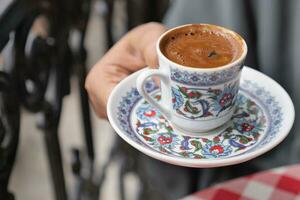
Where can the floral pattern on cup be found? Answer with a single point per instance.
(266, 116)
(204, 79)
(245, 129)
(195, 103)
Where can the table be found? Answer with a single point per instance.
(279, 183)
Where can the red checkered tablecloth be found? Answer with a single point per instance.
(277, 184)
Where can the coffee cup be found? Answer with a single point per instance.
(199, 69)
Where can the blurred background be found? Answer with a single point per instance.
(46, 48)
(51, 144)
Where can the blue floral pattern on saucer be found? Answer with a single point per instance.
(257, 119)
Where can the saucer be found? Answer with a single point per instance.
(263, 117)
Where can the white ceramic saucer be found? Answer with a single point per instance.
(263, 118)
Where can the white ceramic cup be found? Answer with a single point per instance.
(195, 99)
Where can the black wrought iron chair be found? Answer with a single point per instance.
(36, 75)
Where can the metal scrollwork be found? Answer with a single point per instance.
(38, 62)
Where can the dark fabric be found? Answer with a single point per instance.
(271, 29)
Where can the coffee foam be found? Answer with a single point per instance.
(202, 46)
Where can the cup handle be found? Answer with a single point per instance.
(140, 83)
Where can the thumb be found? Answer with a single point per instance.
(148, 35)
(151, 59)
(150, 55)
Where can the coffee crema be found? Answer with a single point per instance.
(201, 46)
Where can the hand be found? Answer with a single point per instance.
(133, 52)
